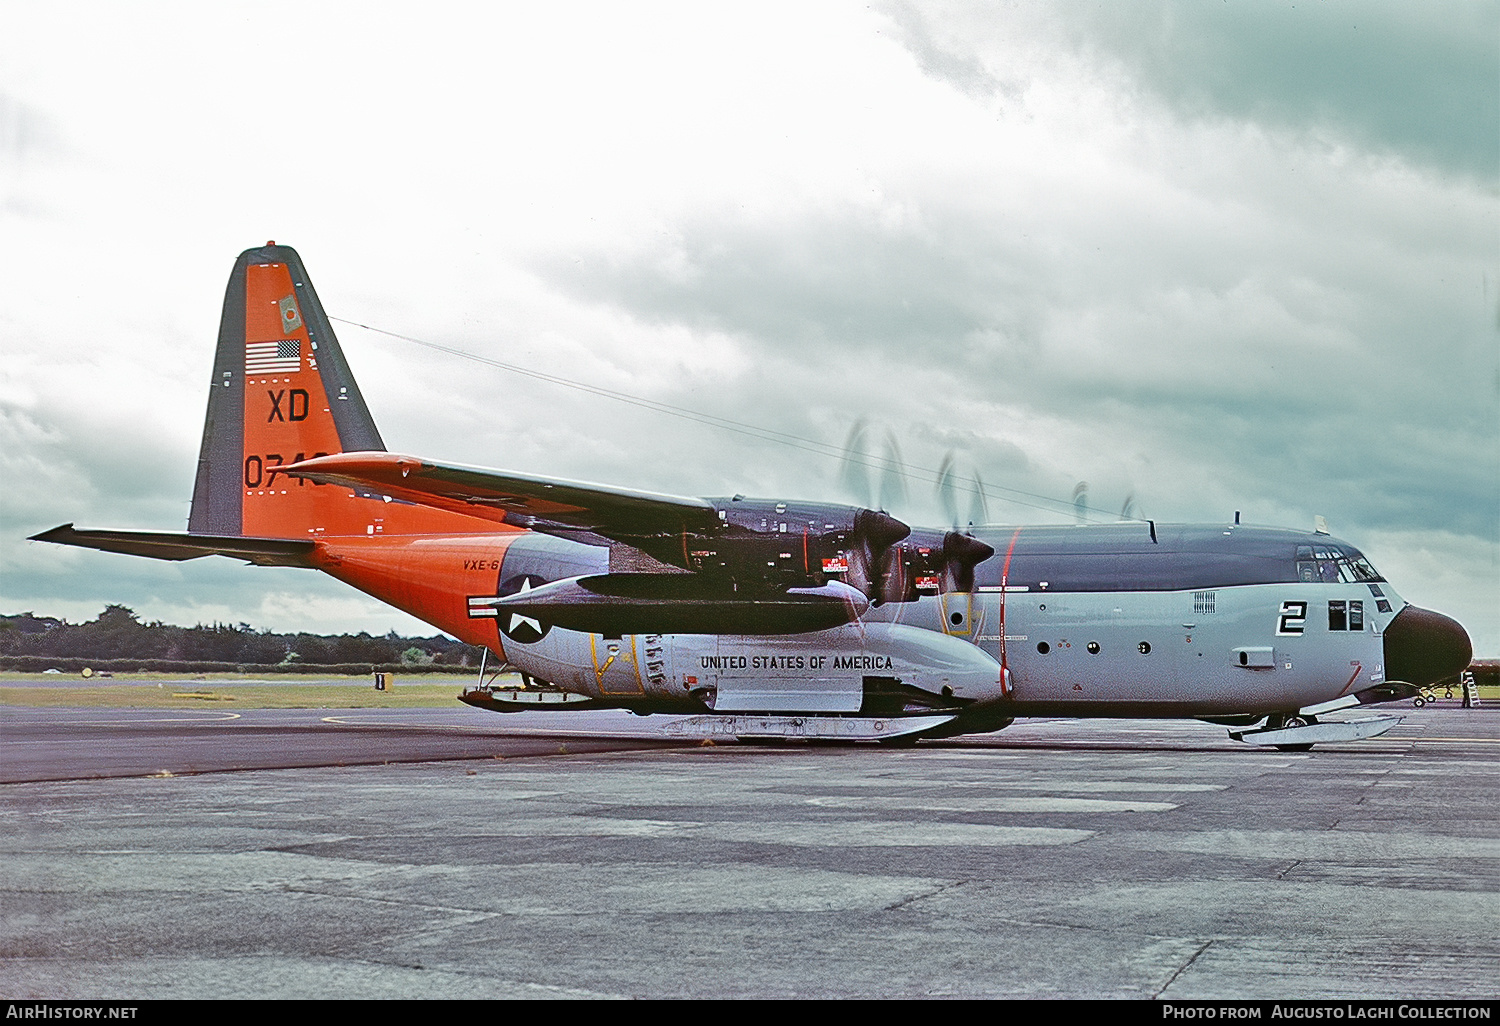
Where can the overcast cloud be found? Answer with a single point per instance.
(1206, 256)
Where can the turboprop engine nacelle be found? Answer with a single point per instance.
(768, 544)
(871, 668)
(782, 544)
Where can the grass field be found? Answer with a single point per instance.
(228, 691)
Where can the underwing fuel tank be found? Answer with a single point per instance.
(615, 605)
(871, 668)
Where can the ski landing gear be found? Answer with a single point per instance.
(1298, 732)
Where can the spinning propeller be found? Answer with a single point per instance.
(871, 480)
(880, 565)
(947, 491)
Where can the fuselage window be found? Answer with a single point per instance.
(1346, 616)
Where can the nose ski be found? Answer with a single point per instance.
(1300, 733)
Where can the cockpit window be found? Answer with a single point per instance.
(1330, 564)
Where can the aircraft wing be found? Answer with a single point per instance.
(160, 545)
(543, 504)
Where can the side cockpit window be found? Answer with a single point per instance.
(1346, 616)
(1329, 564)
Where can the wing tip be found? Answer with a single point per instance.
(54, 534)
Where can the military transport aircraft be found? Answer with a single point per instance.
(771, 618)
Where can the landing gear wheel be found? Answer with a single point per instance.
(1296, 721)
(1418, 702)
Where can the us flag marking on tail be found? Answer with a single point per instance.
(281, 357)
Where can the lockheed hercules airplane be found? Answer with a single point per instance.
(769, 618)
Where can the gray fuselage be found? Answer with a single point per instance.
(1119, 620)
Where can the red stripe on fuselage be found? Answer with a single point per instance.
(1005, 577)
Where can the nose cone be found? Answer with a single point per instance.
(1423, 647)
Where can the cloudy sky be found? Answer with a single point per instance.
(1206, 257)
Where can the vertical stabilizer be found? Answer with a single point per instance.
(282, 392)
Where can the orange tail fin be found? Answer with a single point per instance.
(282, 392)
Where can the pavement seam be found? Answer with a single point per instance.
(1185, 967)
(930, 894)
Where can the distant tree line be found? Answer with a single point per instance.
(119, 635)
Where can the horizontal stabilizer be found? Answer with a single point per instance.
(160, 545)
(519, 500)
